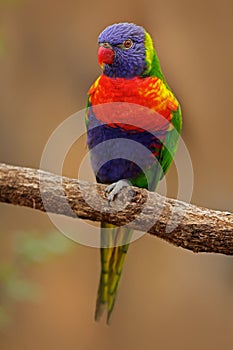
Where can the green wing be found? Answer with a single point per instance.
(155, 173)
(169, 148)
(171, 142)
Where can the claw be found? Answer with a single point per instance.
(109, 188)
(114, 189)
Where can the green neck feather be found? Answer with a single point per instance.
(152, 61)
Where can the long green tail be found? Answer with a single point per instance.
(112, 261)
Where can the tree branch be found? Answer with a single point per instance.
(186, 225)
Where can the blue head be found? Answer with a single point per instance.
(122, 51)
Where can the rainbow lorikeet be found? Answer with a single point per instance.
(131, 76)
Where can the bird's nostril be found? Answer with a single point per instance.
(106, 45)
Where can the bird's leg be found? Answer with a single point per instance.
(112, 190)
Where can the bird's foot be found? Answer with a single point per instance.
(113, 190)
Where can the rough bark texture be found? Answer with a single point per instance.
(185, 225)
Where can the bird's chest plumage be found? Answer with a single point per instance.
(149, 93)
(127, 123)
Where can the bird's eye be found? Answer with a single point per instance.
(127, 44)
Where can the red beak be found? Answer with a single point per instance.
(105, 55)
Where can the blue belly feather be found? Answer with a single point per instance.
(117, 153)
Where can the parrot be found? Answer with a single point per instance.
(131, 78)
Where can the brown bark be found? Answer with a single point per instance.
(198, 229)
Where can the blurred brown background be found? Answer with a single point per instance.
(169, 298)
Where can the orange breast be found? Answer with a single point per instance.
(144, 103)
